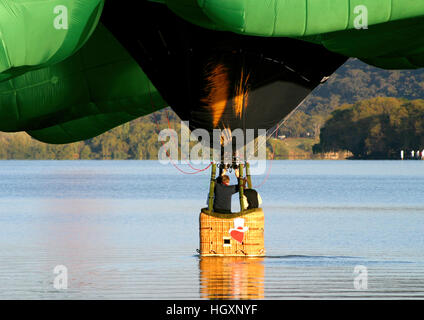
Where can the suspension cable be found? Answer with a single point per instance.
(163, 144)
(279, 125)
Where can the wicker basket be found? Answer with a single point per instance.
(231, 278)
(236, 234)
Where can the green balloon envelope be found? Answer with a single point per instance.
(73, 69)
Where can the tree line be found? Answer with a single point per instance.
(136, 140)
(376, 128)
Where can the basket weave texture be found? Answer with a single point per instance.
(219, 235)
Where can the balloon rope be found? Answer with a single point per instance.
(269, 168)
(282, 122)
(163, 144)
(182, 154)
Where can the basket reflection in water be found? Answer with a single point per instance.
(231, 278)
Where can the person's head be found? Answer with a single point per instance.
(225, 180)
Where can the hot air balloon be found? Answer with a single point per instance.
(73, 69)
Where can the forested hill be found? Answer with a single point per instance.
(376, 128)
(356, 81)
(352, 83)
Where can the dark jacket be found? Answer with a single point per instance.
(223, 194)
(252, 198)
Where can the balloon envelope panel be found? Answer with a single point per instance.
(392, 39)
(30, 38)
(98, 88)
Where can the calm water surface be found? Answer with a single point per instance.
(129, 230)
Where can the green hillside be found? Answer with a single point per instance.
(375, 129)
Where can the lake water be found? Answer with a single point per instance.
(129, 230)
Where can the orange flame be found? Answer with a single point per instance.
(242, 94)
(226, 135)
(218, 85)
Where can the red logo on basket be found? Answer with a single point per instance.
(239, 229)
